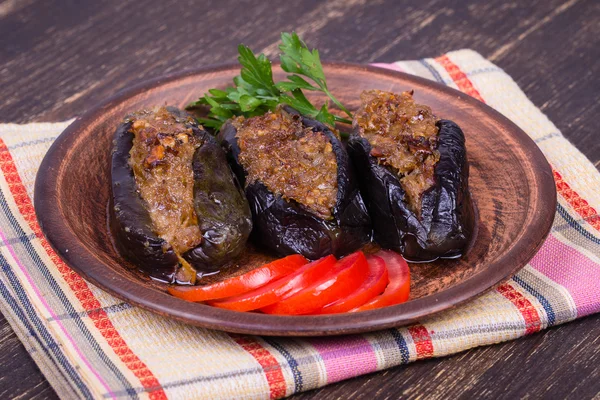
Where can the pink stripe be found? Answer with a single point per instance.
(345, 357)
(54, 317)
(393, 66)
(573, 270)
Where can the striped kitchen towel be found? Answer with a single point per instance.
(92, 345)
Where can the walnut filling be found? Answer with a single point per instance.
(161, 159)
(402, 135)
(290, 160)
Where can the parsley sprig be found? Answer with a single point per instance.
(254, 91)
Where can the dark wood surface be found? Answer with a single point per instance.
(57, 58)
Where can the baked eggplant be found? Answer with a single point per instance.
(413, 172)
(177, 209)
(300, 184)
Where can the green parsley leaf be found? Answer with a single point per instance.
(300, 103)
(297, 58)
(218, 94)
(325, 116)
(249, 103)
(255, 93)
(256, 71)
(295, 82)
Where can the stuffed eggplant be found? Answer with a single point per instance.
(413, 173)
(299, 182)
(177, 209)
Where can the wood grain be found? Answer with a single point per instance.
(59, 57)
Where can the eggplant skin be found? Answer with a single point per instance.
(285, 227)
(447, 215)
(223, 212)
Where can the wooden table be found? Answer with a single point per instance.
(58, 58)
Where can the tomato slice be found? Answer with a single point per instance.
(399, 287)
(276, 290)
(242, 283)
(345, 277)
(374, 285)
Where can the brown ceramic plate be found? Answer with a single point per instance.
(511, 184)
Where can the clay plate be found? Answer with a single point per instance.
(511, 183)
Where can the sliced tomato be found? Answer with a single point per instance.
(374, 285)
(242, 283)
(276, 290)
(398, 289)
(345, 277)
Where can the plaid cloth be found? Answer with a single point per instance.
(92, 345)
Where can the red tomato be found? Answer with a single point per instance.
(374, 285)
(242, 283)
(344, 278)
(399, 287)
(276, 290)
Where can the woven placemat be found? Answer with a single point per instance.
(90, 344)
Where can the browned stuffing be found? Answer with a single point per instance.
(290, 160)
(403, 135)
(161, 159)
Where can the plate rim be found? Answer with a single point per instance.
(57, 232)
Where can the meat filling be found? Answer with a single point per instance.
(290, 160)
(161, 159)
(403, 135)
